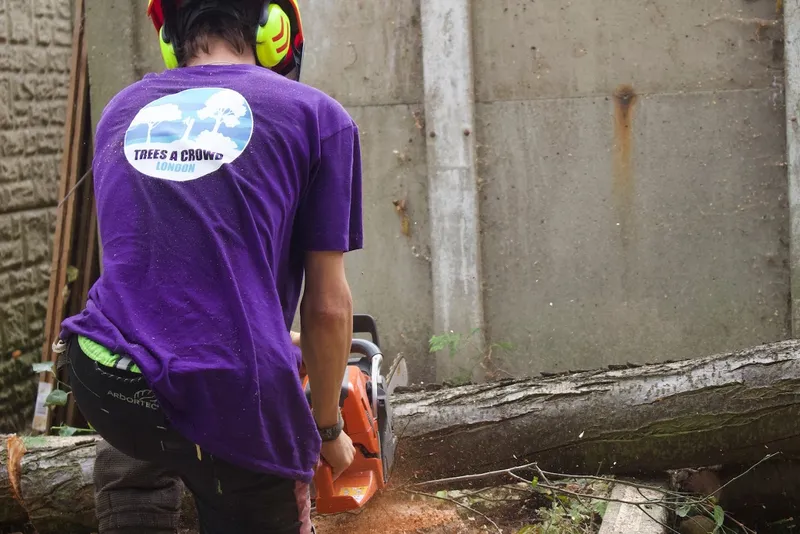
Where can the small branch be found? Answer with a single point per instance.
(740, 475)
(448, 499)
(620, 481)
(479, 476)
(556, 489)
(663, 502)
(645, 512)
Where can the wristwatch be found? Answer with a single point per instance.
(331, 433)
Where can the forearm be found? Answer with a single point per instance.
(327, 326)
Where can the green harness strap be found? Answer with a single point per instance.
(103, 356)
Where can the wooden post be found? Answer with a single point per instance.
(71, 165)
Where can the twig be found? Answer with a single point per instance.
(486, 517)
(74, 187)
(664, 503)
(620, 481)
(645, 512)
(479, 476)
(740, 475)
(577, 495)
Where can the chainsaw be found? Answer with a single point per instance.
(366, 410)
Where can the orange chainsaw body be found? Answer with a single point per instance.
(365, 475)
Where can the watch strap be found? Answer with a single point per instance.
(331, 433)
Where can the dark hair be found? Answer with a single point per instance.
(234, 24)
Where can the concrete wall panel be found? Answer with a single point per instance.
(633, 229)
(120, 53)
(391, 277)
(364, 52)
(553, 48)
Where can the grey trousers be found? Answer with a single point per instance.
(135, 497)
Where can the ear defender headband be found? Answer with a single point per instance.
(279, 34)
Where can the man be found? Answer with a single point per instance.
(222, 184)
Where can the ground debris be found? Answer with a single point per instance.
(509, 509)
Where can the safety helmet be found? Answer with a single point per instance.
(279, 31)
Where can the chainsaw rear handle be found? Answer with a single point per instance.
(366, 324)
(323, 478)
(375, 357)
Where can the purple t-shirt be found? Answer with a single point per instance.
(211, 182)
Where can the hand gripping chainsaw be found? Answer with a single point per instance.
(367, 413)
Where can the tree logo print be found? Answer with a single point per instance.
(190, 134)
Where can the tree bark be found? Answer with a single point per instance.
(724, 409)
(730, 409)
(53, 478)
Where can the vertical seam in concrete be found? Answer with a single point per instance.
(136, 46)
(452, 184)
(791, 17)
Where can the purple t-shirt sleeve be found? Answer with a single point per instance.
(330, 214)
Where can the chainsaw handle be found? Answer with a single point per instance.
(366, 324)
(323, 478)
(375, 358)
(364, 348)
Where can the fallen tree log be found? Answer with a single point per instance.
(47, 481)
(725, 409)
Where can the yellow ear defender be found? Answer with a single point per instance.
(167, 49)
(273, 38)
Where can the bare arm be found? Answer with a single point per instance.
(326, 316)
(329, 224)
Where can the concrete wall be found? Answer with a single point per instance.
(367, 55)
(633, 198)
(634, 194)
(631, 172)
(35, 50)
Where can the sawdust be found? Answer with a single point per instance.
(394, 512)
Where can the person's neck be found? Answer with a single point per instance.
(220, 53)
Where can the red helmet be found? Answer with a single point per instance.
(159, 10)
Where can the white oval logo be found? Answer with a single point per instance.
(190, 134)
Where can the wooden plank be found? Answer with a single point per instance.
(71, 205)
(64, 185)
(83, 259)
(76, 164)
(70, 167)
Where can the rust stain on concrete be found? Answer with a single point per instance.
(624, 185)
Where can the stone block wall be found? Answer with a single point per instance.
(35, 51)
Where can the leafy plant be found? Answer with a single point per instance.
(455, 342)
(450, 341)
(59, 397)
(67, 431)
(566, 516)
